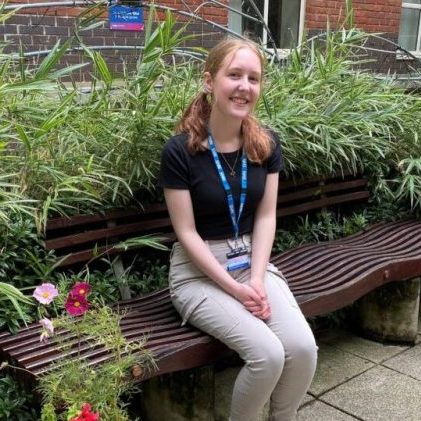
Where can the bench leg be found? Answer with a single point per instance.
(182, 396)
(391, 312)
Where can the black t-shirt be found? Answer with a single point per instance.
(197, 173)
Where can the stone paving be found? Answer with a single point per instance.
(358, 379)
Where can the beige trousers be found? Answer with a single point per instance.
(280, 353)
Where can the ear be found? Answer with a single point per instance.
(207, 82)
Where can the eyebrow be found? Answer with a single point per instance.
(231, 69)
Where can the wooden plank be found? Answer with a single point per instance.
(106, 233)
(321, 203)
(85, 256)
(80, 220)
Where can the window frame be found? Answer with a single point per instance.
(282, 52)
(417, 51)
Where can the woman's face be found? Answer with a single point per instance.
(236, 86)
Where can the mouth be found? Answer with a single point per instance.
(240, 101)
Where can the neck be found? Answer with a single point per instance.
(226, 134)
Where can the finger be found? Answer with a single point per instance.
(267, 314)
(253, 307)
(253, 294)
(263, 315)
(251, 303)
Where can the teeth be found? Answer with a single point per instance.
(239, 100)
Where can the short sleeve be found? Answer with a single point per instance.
(275, 162)
(174, 171)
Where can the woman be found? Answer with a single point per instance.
(220, 180)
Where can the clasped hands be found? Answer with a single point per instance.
(254, 299)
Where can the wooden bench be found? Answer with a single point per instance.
(323, 277)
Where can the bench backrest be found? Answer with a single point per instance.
(80, 239)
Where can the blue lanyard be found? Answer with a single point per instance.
(234, 219)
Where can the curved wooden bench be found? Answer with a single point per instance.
(323, 277)
(328, 276)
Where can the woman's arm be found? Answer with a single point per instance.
(180, 209)
(263, 236)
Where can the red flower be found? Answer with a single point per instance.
(80, 289)
(76, 305)
(86, 414)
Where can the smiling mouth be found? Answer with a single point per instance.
(241, 101)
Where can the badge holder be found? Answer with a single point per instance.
(238, 258)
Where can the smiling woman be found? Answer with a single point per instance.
(235, 88)
(220, 180)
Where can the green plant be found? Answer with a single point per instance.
(151, 274)
(15, 403)
(72, 382)
(328, 225)
(9, 292)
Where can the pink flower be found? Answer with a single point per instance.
(80, 289)
(45, 293)
(76, 305)
(48, 329)
(47, 324)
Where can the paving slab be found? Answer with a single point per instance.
(409, 362)
(373, 351)
(334, 367)
(319, 411)
(378, 394)
(307, 398)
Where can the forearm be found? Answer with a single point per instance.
(262, 241)
(203, 258)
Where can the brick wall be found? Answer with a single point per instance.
(370, 15)
(39, 29)
(373, 16)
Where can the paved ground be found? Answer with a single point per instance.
(357, 379)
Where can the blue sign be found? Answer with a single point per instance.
(126, 18)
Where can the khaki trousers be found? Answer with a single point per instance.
(280, 353)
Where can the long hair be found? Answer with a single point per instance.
(257, 141)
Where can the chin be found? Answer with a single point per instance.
(242, 113)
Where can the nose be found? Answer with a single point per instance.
(244, 84)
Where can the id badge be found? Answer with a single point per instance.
(238, 258)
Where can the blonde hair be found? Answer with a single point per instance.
(257, 141)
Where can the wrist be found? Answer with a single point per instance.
(233, 288)
(256, 280)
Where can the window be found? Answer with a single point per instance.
(284, 19)
(410, 27)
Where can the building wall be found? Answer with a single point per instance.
(373, 16)
(369, 15)
(40, 28)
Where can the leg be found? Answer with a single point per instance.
(223, 317)
(292, 329)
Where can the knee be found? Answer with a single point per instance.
(304, 351)
(271, 358)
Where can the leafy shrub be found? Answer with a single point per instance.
(24, 261)
(15, 403)
(329, 225)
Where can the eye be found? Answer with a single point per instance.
(234, 75)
